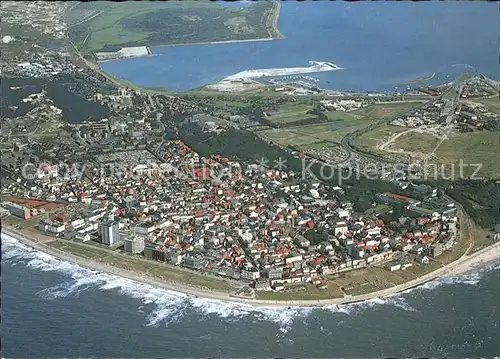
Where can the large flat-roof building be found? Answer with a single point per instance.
(17, 210)
(26, 208)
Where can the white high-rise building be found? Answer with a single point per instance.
(109, 232)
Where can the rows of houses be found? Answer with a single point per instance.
(216, 215)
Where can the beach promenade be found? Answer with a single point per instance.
(464, 264)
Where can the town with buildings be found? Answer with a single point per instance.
(118, 183)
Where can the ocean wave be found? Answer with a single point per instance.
(167, 307)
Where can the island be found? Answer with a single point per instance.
(279, 193)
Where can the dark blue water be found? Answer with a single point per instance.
(54, 309)
(379, 44)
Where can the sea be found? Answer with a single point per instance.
(54, 309)
(380, 45)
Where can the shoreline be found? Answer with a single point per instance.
(460, 266)
(272, 21)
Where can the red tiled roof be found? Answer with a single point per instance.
(33, 202)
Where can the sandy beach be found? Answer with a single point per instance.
(462, 265)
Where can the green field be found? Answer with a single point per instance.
(308, 135)
(480, 147)
(367, 280)
(416, 143)
(369, 140)
(315, 135)
(288, 137)
(329, 131)
(308, 292)
(343, 116)
(473, 148)
(492, 103)
(108, 26)
(291, 112)
(381, 111)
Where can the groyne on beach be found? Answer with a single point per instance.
(462, 265)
